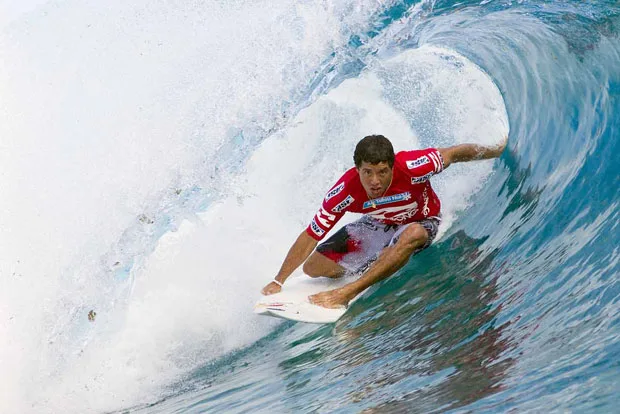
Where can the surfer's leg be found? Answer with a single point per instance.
(331, 258)
(425, 230)
(406, 242)
(319, 265)
(410, 240)
(324, 261)
(347, 250)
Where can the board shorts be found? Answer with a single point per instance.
(358, 244)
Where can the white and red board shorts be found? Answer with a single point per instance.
(358, 244)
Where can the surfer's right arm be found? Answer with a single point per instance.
(298, 253)
(332, 209)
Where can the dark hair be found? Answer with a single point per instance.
(374, 149)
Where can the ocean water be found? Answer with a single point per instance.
(157, 160)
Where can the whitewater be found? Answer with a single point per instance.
(157, 160)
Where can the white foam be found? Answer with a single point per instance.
(11, 11)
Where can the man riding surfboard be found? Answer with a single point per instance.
(401, 216)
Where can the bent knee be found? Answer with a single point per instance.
(319, 265)
(309, 270)
(414, 236)
(310, 267)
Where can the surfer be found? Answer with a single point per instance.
(401, 215)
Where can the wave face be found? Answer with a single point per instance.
(158, 159)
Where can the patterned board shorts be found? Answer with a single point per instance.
(357, 245)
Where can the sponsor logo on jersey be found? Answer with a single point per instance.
(387, 200)
(425, 209)
(316, 229)
(334, 191)
(418, 162)
(418, 180)
(344, 204)
(325, 218)
(398, 214)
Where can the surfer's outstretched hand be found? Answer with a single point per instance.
(332, 299)
(271, 288)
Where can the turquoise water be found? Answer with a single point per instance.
(168, 154)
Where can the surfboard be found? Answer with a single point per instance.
(292, 302)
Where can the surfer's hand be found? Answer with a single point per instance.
(332, 299)
(271, 288)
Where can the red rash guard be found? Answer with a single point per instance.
(409, 197)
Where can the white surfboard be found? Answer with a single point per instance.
(293, 303)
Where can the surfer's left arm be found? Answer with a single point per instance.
(471, 152)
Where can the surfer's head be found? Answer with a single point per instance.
(374, 149)
(374, 159)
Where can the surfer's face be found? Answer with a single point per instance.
(376, 178)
